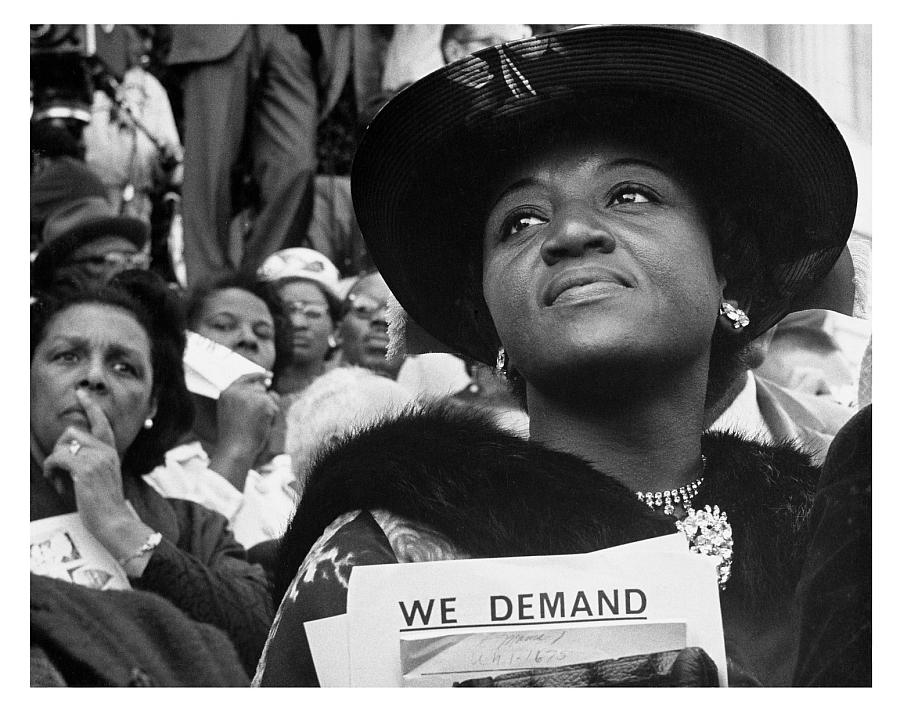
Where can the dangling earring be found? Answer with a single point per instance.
(739, 319)
(148, 423)
(332, 342)
(501, 361)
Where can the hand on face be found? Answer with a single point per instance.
(91, 459)
(246, 414)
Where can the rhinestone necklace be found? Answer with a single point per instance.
(706, 530)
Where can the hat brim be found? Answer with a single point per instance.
(58, 250)
(418, 178)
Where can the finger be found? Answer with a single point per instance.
(77, 434)
(59, 460)
(100, 427)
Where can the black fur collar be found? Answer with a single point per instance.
(493, 494)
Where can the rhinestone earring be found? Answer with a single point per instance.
(739, 319)
(501, 361)
(148, 423)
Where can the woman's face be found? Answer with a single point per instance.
(104, 349)
(363, 330)
(241, 321)
(311, 322)
(597, 258)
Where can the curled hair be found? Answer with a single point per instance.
(145, 297)
(266, 292)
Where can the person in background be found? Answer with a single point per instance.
(416, 50)
(60, 181)
(363, 328)
(306, 282)
(85, 242)
(249, 98)
(108, 399)
(231, 460)
(457, 41)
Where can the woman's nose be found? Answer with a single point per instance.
(573, 231)
(247, 338)
(379, 317)
(94, 377)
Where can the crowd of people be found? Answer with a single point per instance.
(578, 286)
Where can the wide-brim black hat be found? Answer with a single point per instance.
(420, 173)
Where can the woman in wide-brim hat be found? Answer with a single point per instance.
(609, 214)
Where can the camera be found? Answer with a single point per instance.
(62, 87)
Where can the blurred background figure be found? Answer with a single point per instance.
(231, 459)
(85, 243)
(363, 329)
(800, 380)
(416, 50)
(336, 404)
(306, 282)
(94, 100)
(59, 181)
(457, 41)
(250, 105)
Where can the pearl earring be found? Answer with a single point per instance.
(332, 342)
(148, 423)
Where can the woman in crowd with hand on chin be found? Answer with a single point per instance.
(609, 215)
(107, 400)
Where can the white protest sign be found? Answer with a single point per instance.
(390, 607)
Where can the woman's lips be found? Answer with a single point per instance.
(378, 341)
(579, 285)
(74, 415)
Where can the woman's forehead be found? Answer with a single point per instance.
(101, 324)
(238, 302)
(597, 149)
(302, 290)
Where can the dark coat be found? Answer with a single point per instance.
(491, 494)
(198, 566)
(131, 638)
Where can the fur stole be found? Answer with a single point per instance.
(494, 494)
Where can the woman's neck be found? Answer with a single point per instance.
(649, 441)
(294, 378)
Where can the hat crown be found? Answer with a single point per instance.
(301, 263)
(75, 214)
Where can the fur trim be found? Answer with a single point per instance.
(493, 494)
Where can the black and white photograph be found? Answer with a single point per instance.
(453, 355)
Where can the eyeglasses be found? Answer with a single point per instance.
(365, 308)
(115, 259)
(311, 311)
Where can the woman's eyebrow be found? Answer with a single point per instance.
(634, 161)
(517, 184)
(117, 350)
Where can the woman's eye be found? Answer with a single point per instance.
(66, 356)
(222, 325)
(264, 332)
(517, 223)
(125, 368)
(631, 195)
